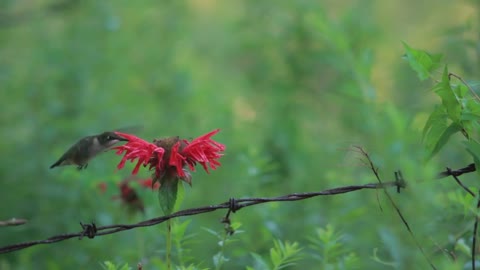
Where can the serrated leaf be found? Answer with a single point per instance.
(422, 62)
(167, 194)
(449, 99)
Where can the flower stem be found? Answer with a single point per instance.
(169, 244)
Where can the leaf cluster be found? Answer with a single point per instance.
(458, 112)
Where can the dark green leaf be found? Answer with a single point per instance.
(449, 99)
(461, 91)
(452, 129)
(167, 194)
(434, 127)
(471, 110)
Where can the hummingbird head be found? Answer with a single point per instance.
(109, 138)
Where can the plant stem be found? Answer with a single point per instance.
(222, 250)
(169, 243)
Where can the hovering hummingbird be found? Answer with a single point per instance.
(86, 148)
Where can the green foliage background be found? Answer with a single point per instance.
(291, 84)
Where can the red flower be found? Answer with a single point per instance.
(203, 150)
(137, 148)
(130, 197)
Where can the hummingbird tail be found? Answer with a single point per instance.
(55, 164)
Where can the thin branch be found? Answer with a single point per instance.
(470, 168)
(474, 242)
(465, 83)
(13, 222)
(399, 179)
(462, 185)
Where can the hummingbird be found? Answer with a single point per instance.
(86, 148)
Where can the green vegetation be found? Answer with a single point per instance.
(292, 85)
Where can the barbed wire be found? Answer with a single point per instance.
(233, 205)
(91, 230)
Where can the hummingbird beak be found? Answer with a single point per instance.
(117, 137)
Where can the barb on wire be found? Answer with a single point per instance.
(91, 230)
(398, 180)
(455, 174)
(449, 172)
(233, 205)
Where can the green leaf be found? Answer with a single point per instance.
(434, 131)
(449, 99)
(463, 247)
(422, 62)
(471, 110)
(443, 139)
(219, 259)
(259, 263)
(167, 194)
(111, 266)
(275, 255)
(125, 267)
(461, 91)
(180, 195)
(436, 121)
(473, 148)
(284, 255)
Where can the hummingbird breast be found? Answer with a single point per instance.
(86, 149)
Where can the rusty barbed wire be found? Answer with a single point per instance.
(92, 230)
(233, 205)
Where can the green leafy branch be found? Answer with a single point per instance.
(459, 111)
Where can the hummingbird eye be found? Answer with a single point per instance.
(109, 138)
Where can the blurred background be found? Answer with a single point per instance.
(291, 84)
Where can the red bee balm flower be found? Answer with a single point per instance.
(137, 148)
(170, 155)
